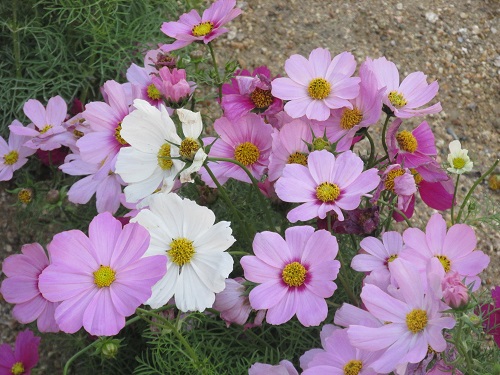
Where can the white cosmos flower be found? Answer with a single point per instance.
(197, 264)
(458, 158)
(146, 165)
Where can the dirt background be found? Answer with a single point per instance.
(454, 42)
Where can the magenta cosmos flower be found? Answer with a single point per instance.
(491, 315)
(295, 274)
(404, 99)
(100, 279)
(317, 85)
(193, 28)
(455, 249)
(13, 155)
(247, 140)
(414, 321)
(21, 288)
(411, 149)
(23, 358)
(327, 183)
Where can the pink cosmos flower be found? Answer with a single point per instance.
(13, 155)
(248, 140)
(455, 293)
(283, 368)
(23, 358)
(156, 59)
(455, 249)
(250, 92)
(173, 86)
(143, 79)
(191, 27)
(317, 84)
(404, 99)
(48, 123)
(328, 183)
(21, 287)
(295, 274)
(401, 182)
(102, 278)
(415, 320)
(349, 315)
(307, 357)
(411, 149)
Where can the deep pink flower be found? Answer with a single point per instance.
(21, 288)
(404, 99)
(491, 315)
(250, 92)
(328, 183)
(411, 149)
(283, 368)
(102, 278)
(23, 358)
(173, 86)
(13, 155)
(191, 27)
(248, 140)
(295, 274)
(455, 293)
(455, 249)
(317, 84)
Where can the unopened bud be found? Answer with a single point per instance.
(320, 144)
(110, 350)
(455, 293)
(52, 196)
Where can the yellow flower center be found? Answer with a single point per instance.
(350, 118)
(188, 148)
(261, 98)
(17, 368)
(458, 163)
(153, 92)
(104, 276)
(164, 158)
(11, 158)
(353, 367)
(25, 196)
(45, 129)
(320, 144)
(392, 258)
(494, 182)
(294, 274)
(407, 141)
(391, 176)
(416, 320)
(297, 158)
(445, 262)
(319, 88)
(416, 176)
(397, 99)
(327, 192)
(181, 251)
(118, 135)
(78, 134)
(202, 29)
(246, 153)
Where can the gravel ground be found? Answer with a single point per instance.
(454, 42)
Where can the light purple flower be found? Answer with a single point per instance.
(192, 28)
(23, 358)
(233, 305)
(317, 84)
(295, 274)
(13, 155)
(283, 368)
(102, 278)
(328, 183)
(21, 288)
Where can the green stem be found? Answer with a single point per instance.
(467, 197)
(453, 201)
(15, 41)
(384, 131)
(372, 149)
(78, 354)
(378, 161)
(214, 62)
(387, 223)
(398, 211)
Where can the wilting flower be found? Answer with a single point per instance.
(13, 155)
(21, 288)
(185, 235)
(295, 274)
(102, 278)
(23, 358)
(191, 27)
(317, 84)
(359, 221)
(233, 305)
(327, 183)
(458, 159)
(283, 368)
(455, 293)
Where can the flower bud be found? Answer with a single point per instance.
(455, 293)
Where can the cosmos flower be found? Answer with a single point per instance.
(13, 155)
(458, 159)
(318, 84)
(283, 368)
(23, 358)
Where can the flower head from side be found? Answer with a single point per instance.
(13, 154)
(295, 274)
(458, 159)
(23, 358)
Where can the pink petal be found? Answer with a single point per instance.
(258, 271)
(460, 241)
(317, 110)
(287, 89)
(56, 110)
(104, 231)
(471, 264)
(69, 314)
(284, 310)
(435, 232)
(298, 68)
(382, 305)
(267, 295)
(304, 212)
(272, 249)
(100, 317)
(35, 111)
(311, 309)
(320, 59)
(29, 311)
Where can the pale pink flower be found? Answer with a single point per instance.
(307, 357)
(295, 274)
(328, 183)
(23, 358)
(192, 28)
(21, 288)
(318, 84)
(143, 80)
(283, 368)
(13, 155)
(401, 182)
